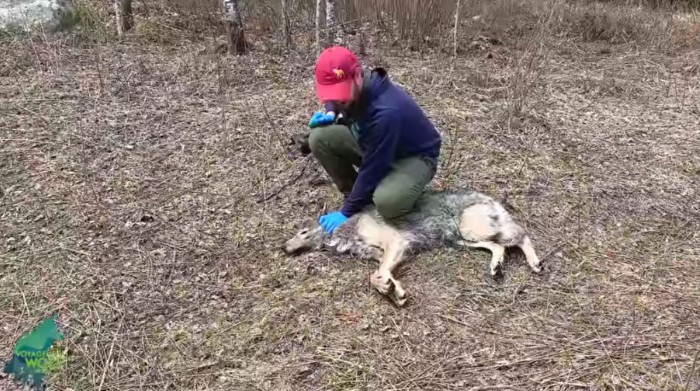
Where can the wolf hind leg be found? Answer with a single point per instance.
(383, 280)
(530, 255)
(484, 226)
(497, 254)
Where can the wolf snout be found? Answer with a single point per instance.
(290, 248)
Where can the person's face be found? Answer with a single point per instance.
(355, 93)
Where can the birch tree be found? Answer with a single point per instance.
(454, 43)
(234, 27)
(318, 25)
(334, 31)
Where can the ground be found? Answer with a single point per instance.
(145, 192)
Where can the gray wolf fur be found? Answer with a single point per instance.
(457, 218)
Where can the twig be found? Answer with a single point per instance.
(692, 371)
(222, 98)
(253, 139)
(451, 319)
(448, 164)
(599, 338)
(272, 125)
(24, 298)
(109, 356)
(496, 387)
(303, 169)
(401, 336)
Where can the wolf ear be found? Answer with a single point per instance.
(309, 224)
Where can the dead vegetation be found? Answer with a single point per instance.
(145, 189)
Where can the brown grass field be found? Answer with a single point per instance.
(146, 188)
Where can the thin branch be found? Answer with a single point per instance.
(296, 178)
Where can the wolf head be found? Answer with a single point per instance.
(309, 237)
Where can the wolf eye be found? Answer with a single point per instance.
(304, 231)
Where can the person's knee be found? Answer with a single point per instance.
(390, 204)
(323, 137)
(316, 139)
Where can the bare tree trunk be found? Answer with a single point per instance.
(334, 32)
(455, 32)
(234, 27)
(361, 50)
(119, 18)
(286, 24)
(128, 15)
(318, 25)
(123, 15)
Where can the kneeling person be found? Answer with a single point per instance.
(389, 138)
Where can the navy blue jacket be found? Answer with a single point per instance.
(391, 126)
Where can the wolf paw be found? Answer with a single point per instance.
(497, 273)
(390, 287)
(537, 267)
(383, 282)
(494, 275)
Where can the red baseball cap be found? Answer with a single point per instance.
(335, 71)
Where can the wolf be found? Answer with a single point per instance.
(458, 218)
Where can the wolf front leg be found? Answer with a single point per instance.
(393, 246)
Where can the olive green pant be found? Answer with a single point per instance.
(337, 150)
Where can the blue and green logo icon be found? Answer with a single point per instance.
(33, 356)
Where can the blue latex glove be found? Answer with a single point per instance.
(319, 118)
(332, 220)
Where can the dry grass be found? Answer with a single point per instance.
(142, 195)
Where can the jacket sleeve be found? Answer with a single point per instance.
(382, 136)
